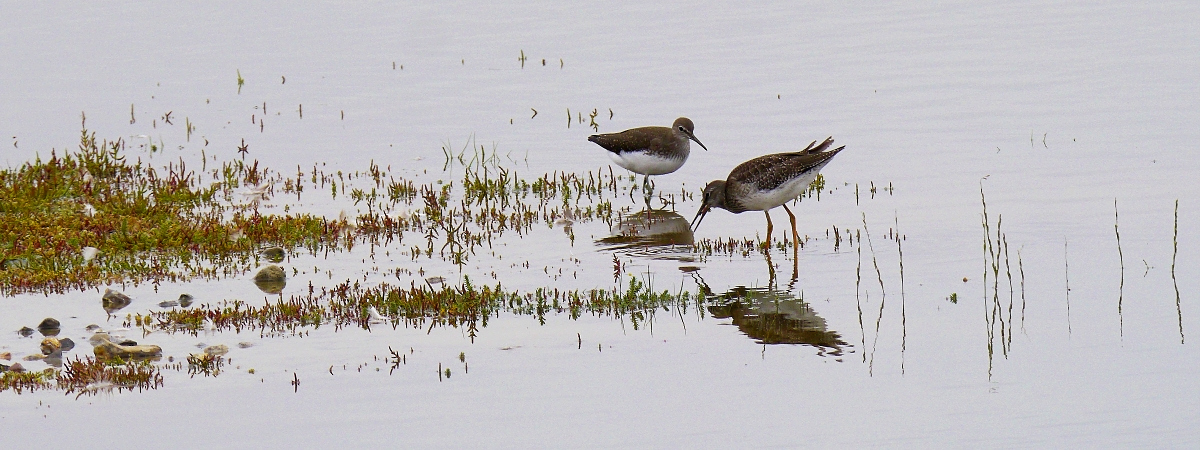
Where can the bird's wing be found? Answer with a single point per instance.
(770, 171)
(635, 139)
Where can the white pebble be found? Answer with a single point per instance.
(89, 253)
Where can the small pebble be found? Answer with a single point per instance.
(92, 328)
(185, 300)
(245, 344)
(168, 304)
(51, 345)
(25, 332)
(217, 350)
(67, 344)
(16, 367)
(6, 356)
(34, 357)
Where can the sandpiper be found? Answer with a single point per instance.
(650, 150)
(766, 182)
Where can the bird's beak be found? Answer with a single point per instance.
(693, 137)
(700, 216)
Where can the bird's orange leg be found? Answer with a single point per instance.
(770, 227)
(795, 235)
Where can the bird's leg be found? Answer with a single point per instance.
(795, 235)
(795, 245)
(770, 227)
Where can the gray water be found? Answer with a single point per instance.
(1053, 110)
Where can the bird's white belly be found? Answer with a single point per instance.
(646, 164)
(764, 200)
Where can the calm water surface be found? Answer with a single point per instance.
(1053, 110)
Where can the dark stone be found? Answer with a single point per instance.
(25, 332)
(49, 327)
(127, 343)
(270, 279)
(185, 300)
(67, 344)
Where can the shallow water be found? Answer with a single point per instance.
(1052, 110)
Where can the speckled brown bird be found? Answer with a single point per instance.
(766, 182)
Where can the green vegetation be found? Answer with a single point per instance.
(147, 224)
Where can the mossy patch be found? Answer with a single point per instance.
(148, 224)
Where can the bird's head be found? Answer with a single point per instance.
(714, 196)
(685, 127)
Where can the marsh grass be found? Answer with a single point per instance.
(997, 317)
(172, 223)
(1174, 281)
(1121, 258)
(20, 382)
(149, 224)
(205, 364)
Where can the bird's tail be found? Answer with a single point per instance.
(815, 148)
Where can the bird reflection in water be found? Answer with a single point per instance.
(771, 316)
(652, 233)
